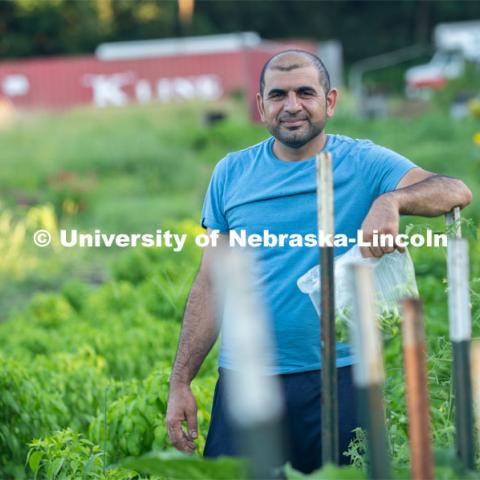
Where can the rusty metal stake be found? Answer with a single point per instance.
(417, 390)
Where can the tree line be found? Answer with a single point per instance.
(73, 27)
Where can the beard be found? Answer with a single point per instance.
(296, 137)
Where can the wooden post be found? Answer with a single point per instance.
(460, 323)
(327, 311)
(254, 400)
(368, 370)
(417, 390)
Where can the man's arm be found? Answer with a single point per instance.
(198, 335)
(428, 194)
(418, 193)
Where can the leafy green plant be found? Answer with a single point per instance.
(67, 454)
(357, 450)
(26, 411)
(134, 423)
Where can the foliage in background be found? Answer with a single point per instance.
(53, 27)
(460, 89)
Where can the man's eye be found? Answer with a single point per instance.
(306, 93)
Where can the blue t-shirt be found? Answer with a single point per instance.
(254, 190)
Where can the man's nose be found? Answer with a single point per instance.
(292, 105)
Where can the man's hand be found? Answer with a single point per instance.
(383, 217)
(182, 406)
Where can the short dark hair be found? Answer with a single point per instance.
(314, 60)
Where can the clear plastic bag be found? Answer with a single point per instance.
(394, 278)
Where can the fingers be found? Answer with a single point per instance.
(365, 251)
(192, 424)
(371, 251)
(400, 245)
(368, 252)
(377, 252)
(182, 407)
(378, 242)
(180, 440)
(380, 227)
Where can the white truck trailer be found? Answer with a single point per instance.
(455, 43)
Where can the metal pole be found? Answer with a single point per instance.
(368, 371)
(453, 218)
(254, 399)
(460, 335)
(327, 311)
(417, 391)
(475, 362)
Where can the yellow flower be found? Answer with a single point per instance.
(190, 227)
(476, 138)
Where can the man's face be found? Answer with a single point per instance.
(294, 106)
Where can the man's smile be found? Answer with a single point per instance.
(293, 122)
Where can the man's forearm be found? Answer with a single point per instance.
(432, 197)
(199, 332)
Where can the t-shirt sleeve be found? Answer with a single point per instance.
(213, 212)
(383, 169)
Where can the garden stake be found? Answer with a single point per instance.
(460, 323)
(475, 362)
(327, 311)
(254, 399)
(453, 218)
(417, 392)
(368, 371)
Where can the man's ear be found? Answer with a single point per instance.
(331, 102)
(261, 111)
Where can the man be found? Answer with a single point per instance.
(272, 186)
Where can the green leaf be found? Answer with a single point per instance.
(92, 463)
(34, 461)
(408, 228)
(57, 466)
(174, 464)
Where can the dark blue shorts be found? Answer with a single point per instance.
(302, 422)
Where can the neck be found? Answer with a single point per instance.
(289, 154)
